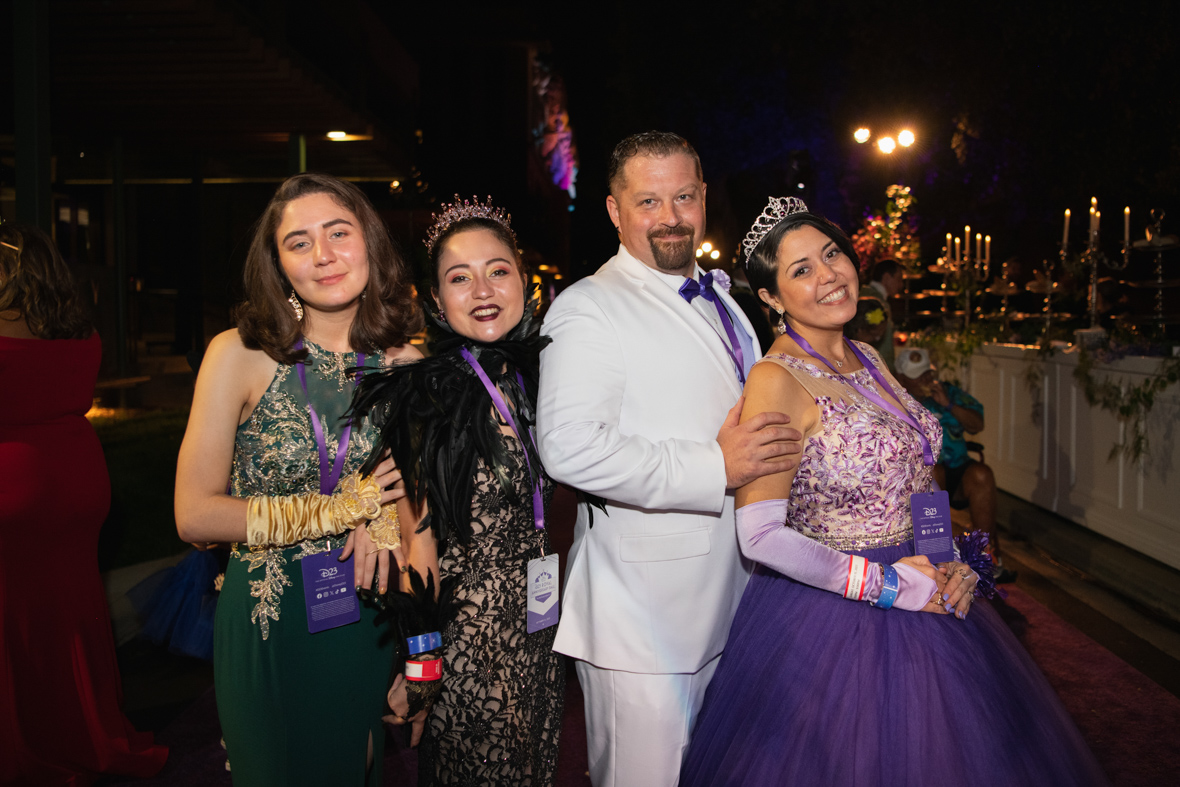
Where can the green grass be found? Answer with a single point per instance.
(141, 451)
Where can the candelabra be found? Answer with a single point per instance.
(1093, 256)
(969, 274)
(1159, 243)
(1049, 290)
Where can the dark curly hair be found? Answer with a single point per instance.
(36, 283)
(388, 316)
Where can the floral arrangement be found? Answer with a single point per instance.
(890, 234)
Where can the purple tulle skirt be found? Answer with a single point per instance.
(816, 690)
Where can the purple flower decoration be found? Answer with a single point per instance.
(721, 279)
(971, 551)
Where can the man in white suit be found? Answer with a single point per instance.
(639, 405)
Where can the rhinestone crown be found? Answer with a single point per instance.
(457, 211)
(777, 210)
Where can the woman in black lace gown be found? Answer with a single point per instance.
(497, 718)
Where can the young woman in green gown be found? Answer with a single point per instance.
(260, 469)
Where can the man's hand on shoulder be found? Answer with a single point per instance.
(763, 445)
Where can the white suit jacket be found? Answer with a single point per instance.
(634, 388)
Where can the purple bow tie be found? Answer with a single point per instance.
(691, 288)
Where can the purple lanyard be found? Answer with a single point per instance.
(329, 476)
(507, 415)
(868, 393)
(735, 348)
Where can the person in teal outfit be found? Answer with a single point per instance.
(269, 466)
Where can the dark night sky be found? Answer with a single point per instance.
(1060, 101)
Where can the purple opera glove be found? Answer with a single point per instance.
(915, 589)
(765, 539)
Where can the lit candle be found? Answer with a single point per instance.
(978, 250)
(958, 258)
(1092, 211)
(987, 249)
(948, 247)
(1097, 221)
(1065, 232)
(967, 243)
(1126, 227)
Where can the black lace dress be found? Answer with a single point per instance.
(498, 718)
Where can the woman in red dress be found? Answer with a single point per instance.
(60, 693)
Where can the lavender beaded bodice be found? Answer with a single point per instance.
(852, 489)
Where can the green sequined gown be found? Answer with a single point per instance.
(296, 708)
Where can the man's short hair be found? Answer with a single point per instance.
(650, 143)
(885, 268)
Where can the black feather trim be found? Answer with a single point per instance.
(412, 615)
(437, 419)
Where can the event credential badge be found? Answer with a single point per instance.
(543, 608)
(328, 592)
(932, 526)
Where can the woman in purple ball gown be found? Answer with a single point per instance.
(814, 688)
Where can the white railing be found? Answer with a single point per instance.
(1049, 447)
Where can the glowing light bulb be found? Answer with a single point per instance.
(337, 134)
(715, 254)
(861, 135)
(886, 144)
(700, 252)
(905, 138)
(707, 246)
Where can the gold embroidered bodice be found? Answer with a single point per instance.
(275, 454)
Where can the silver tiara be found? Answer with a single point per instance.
(457, 211)
(776, 210)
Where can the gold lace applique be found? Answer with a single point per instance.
(269, 589)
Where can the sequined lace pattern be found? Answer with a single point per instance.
(852, 489)
(275, 454)
(498, 718)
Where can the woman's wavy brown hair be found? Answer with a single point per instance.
(36, 283)
(388, 315)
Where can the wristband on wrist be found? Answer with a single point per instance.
(858, 572)
(424, 670)
(424, 642)
(890, 583)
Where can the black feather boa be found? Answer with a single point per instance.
(437, 419)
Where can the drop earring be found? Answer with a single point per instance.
(782, 321)
(296, 305)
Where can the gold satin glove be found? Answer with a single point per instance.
(287, 520)
(386, 529)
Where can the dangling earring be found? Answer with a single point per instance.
(782, 321)
(296, 305)
(364, 292)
